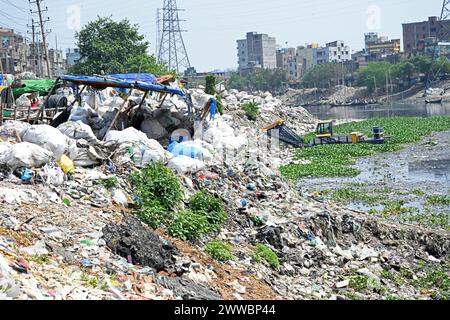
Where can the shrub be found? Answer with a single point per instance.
(154, 214)
(262, 252)
(108, 183)
(158, 183)
(159, 192)
(251, 110)
(219, 251)
(210, 87)
(189, 225)
(209, 206)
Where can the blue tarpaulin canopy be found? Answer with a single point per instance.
(140, 77)
(108, 81)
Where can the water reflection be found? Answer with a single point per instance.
(377, 111)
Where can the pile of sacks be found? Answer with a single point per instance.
(98, 110)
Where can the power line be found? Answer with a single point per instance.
(43, 34)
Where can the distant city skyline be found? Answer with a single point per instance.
(215, 26)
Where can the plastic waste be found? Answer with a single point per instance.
(127, 135)
(78, 130)
(26, 155)
(27, 175)
(12, 128)
(52, 176)
(184, 164)
(48, 138)
(66, 164)
(140, 153)
(119, 197)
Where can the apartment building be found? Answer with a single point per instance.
(256, 51)
(415, 34)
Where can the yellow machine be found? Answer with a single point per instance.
(324, 130)
(324, 135)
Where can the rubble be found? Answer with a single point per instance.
(73, 236)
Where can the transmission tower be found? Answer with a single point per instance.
(172, 49)
(442, 34)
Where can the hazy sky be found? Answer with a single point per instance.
(214, 26)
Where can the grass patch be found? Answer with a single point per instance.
(429, 219)
(211, 207)
(437, 283)
(397, 208)
(219, 251)
(359, 283)
(335, 160)
(109, 183)
(158, 196)
(346, 196)
(438, 200)
(418, 193)
(264, 253)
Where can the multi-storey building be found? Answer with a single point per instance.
(256, 51)
(287, 60)
(72, 56)
(381, 47)
(13, 52)
(415, 34)
(338, 52)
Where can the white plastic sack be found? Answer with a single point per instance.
(5, 273)
(27, 155)
(78, 130)
(200, 99)
(109, 105)
(19, 196)
(23, 102)
(119, 197)
(221, 136)
(83, 113)
(184, 164)
(11, 127)
(126, 136)
(140, 153)
(47, 137)
(5, 148)
(205, 148)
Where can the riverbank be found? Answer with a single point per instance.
(411, 185)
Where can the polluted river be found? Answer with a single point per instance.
(411, 185)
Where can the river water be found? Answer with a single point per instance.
(410, 175)
(398, 109)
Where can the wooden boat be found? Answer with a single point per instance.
(433, 100)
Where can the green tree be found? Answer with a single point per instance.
(374, 75)
(405, 70)
(272, 80)
(423, 63)
(114, 47)
(324, 75)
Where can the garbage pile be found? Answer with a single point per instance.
(67, 229)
